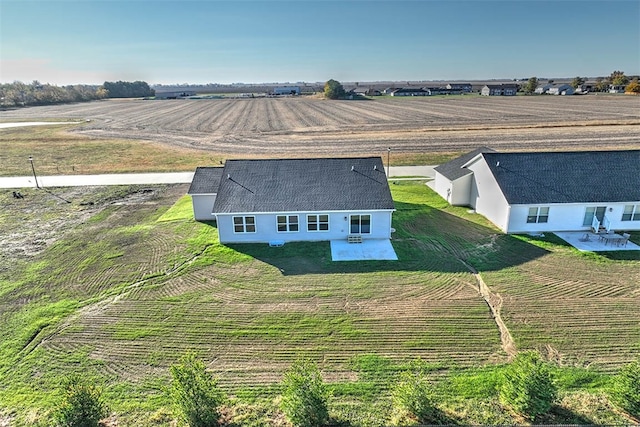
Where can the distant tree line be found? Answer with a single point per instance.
(122, 89)
(19, 94)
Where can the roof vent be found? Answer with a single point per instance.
(353, 168)
(228, 176)
(375, 167)
(497, 164)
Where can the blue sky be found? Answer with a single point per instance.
(208, 41)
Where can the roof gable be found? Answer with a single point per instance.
(206, 180)
(567, 177)
(453, 169)
(298, 185)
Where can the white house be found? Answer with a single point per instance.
(549, 191)
(203, 191)
(503, 89)
(561, 89)
(284, 200)
(286, 90)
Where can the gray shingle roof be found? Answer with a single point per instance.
(295, 185)
(206, 180)
(567, 177)
(453, 170)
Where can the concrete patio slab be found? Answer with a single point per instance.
(577, 239)
(374, 249)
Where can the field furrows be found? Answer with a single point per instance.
(290, 126)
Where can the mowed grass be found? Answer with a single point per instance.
(56, 151)
(123, 296)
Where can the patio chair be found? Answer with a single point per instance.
(624, 240)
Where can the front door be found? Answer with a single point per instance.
(592, 211)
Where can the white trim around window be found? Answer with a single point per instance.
(287, 223)
(631, 213)
(360, 224)
(317, 223)
(538, 215)
(244, 224)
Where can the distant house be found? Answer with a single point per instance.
(286, 200)
(543, 89)
(548, 191)
(616, 88)
(286, 90)
(462, 87)
(410, 92)
(499, 90)
(365, 91)
(561, 89)
(174, 94)
(203, 191)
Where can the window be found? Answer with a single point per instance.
(360, 224)
(244, 224)
(287, 223)
(538, 215)
(317, 222)
(631, 213)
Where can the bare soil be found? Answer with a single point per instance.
(311, 126)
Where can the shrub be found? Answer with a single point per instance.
(527, 387)
(195, 392)
(82, 404)
(412, 395)
(304, 399)
(626, 388)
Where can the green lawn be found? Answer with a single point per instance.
(125, 294)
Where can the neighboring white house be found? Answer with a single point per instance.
(286, 90)
(561, 89)
(548, 191)
(285, 200)
(503, 89)
(543, 89)
(203, 191)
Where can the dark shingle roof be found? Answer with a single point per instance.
(453, 170)
(294, 185)
(206, 180)
(567, 177)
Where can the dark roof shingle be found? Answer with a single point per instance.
(567, 177)
(295, 185)
(206, 180)
(453, 170)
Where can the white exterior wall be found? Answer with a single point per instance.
(486, 197)
(455, 192)
(266, 227)
(568, 217)
(203, 206)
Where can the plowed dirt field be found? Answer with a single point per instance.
(311, 126)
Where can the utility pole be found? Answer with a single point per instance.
(34, 171)
(388, 164)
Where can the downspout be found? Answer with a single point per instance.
(506, 226)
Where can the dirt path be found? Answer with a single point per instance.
(494, 301)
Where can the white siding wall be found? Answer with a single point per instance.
(568, 217)
(266, 227)
(486, 197)
(455, 192)
(203, 206)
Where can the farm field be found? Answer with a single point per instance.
(416, 129)
(132, 283)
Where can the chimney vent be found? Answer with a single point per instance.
(353, 168)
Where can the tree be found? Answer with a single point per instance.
(527, 387)
(531, 85)
(625, 391)
(633, 87)
(602, 84)
(195, 392)
(618, 78)
(412, 395)
(577, 82)
(304, 400)
(333, 89)
(82, 404)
